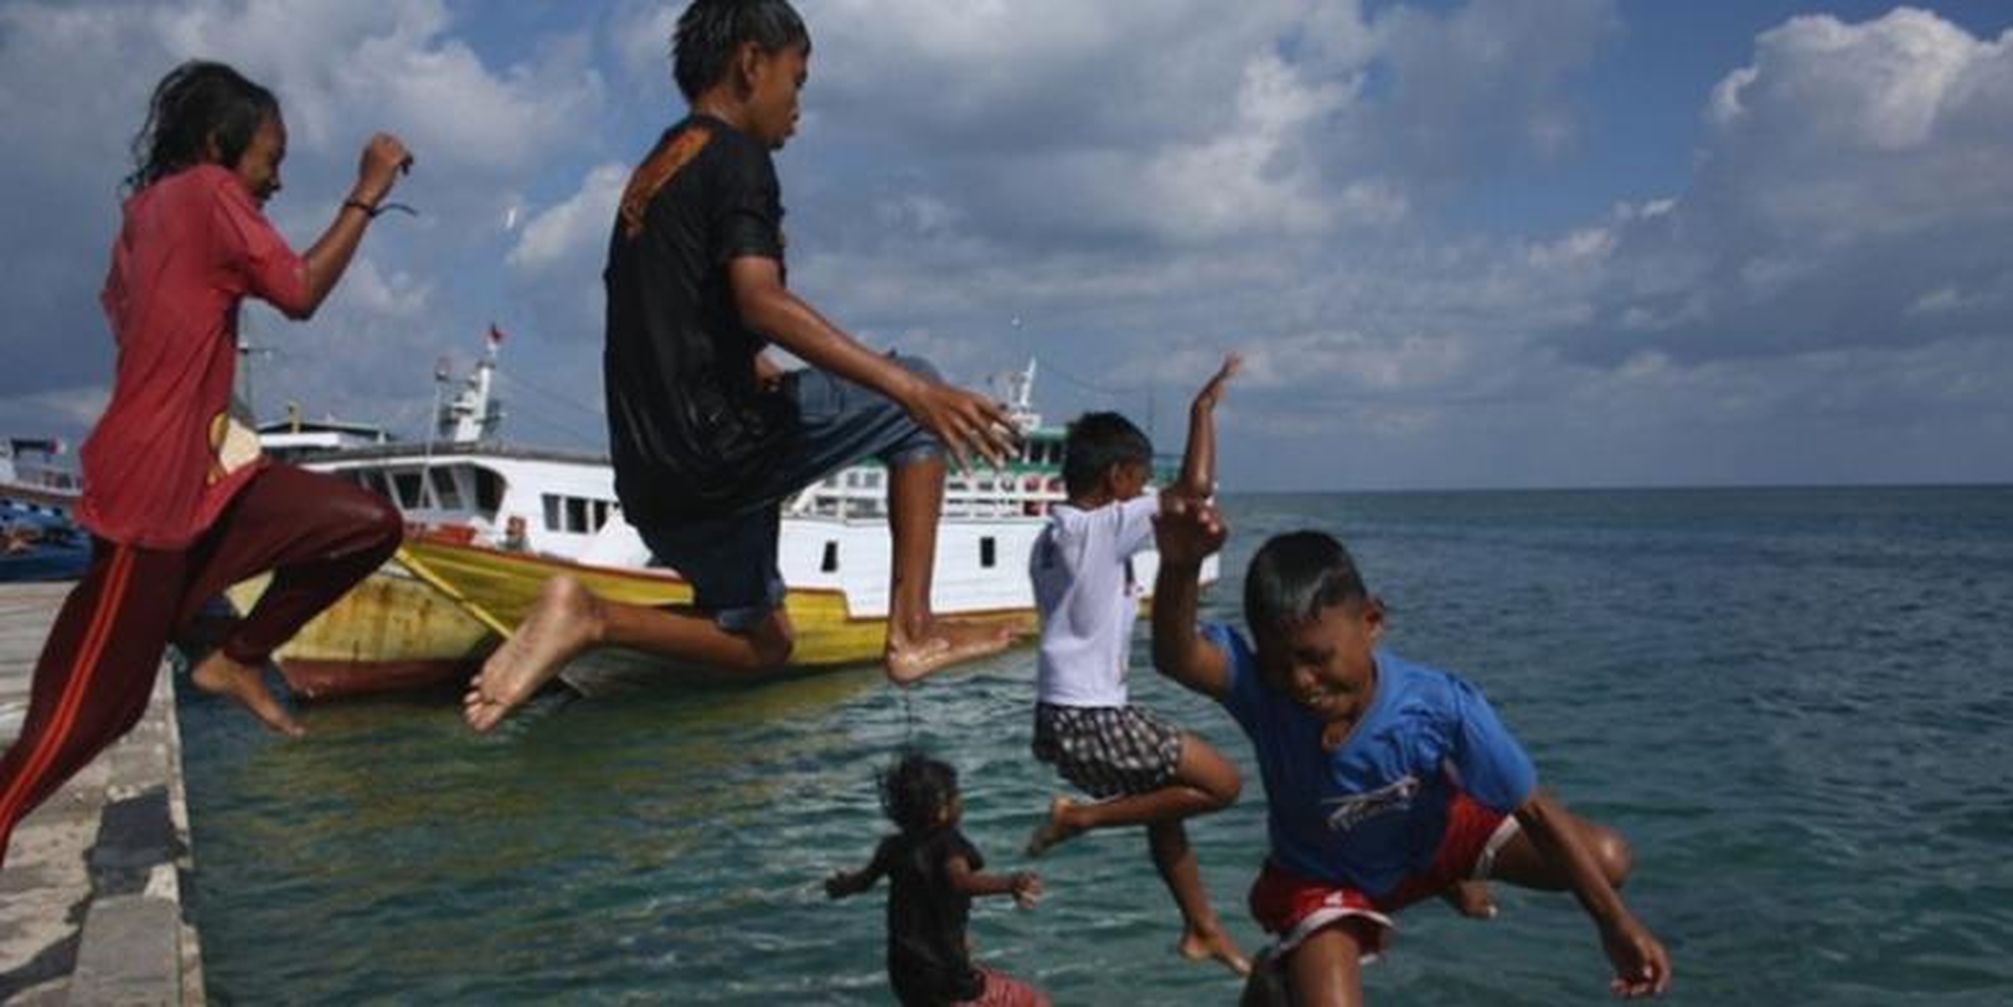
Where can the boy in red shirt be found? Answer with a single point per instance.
(177, 497)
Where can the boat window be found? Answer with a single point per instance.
(988, 552)
(830, 564)
(576, 514)
(600, 514)
(409, 492)
(551, 512)
(445, 492)
(488, 491)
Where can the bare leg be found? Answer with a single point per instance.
(568, 620)
(220, 675)
(1202, 934)
(1326, 969)
(1204, 781)
(1520, 863)
(918, 642)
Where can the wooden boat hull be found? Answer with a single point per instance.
(391, 632)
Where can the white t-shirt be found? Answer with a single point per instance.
(1088, 599)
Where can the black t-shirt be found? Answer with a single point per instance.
(689, 427)
(927, 959)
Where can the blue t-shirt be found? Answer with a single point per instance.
(1374, 810)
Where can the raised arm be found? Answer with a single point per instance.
(1186, 532)
(1198, 460)
(1024, 886)
(377, 171)
(1642, 966)
(967, 423)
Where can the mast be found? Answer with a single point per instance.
(474, 413)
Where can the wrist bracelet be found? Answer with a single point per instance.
(373, 211)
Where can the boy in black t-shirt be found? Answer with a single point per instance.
(932, 873)
(706, 434)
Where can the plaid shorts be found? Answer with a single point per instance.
(1107, 750)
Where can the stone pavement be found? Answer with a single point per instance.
(91, 905)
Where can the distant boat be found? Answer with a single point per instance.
(489, 523)
(39, 540)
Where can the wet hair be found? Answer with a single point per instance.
(709, 32)
(1295, 576)
(1095, 443)
(195, 103)
(916, 790)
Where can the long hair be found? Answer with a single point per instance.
(709, 31)
(196, 104)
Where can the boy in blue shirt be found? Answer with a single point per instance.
(1143, 770)
(1387, 782)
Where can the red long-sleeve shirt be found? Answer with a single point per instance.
(164, 460)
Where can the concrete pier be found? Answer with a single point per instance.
(91, 908)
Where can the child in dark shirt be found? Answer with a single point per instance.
(933, 872)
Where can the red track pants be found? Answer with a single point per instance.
(318, 534)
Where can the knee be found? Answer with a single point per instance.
(771, 648)
(1227, 790)
(379, 527)
(386, 524)
(1614, 855)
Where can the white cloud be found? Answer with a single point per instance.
(1850, 172)
(572, 231)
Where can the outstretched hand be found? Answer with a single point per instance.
(1212, 391)
(967, 423)
(1642, 966)
(1026, 889)
(1188, 531)
(839, 885)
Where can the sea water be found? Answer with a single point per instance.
(1797, 704)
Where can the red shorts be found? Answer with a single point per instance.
(1294, 907)
(1003, 990)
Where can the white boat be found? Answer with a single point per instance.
(489, 522)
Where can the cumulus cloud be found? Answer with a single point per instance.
(572, 230)
(74, 82)
(1143, 186)
(1849, 194)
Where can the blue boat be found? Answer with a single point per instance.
(38, 538)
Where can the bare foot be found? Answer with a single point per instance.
(1055, 830)
(221, 676)
(945, 642)
(1198, 946)
(1471, 899)
(561, 625)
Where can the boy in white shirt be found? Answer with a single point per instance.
(1144, 770)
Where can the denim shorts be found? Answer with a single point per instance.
(730, 561)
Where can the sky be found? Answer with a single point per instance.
(1480, 244)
